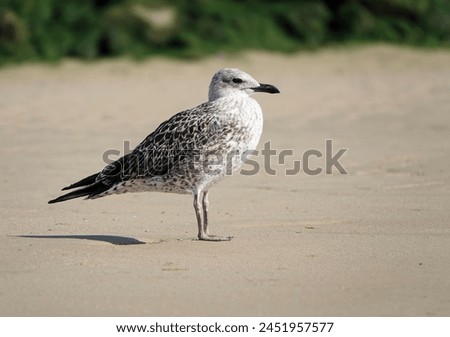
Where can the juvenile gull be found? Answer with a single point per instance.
(191, 151)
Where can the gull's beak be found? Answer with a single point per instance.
(266, 88)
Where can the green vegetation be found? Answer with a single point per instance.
(88, 29)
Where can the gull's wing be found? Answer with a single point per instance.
(175, 140)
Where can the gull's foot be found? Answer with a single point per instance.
(209, 237)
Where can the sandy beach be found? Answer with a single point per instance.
(373, 242)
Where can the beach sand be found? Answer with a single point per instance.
(373, 242)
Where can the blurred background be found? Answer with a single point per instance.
(90, 29)
(374, 242)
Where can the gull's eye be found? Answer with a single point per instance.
(237, 80)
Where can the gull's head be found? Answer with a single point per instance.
(230, 81)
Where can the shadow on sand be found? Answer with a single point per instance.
(115, 240)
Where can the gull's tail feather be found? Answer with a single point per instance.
(88, 191)
(83, 182)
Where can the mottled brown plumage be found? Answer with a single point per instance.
(191, 151)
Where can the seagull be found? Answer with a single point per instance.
(191, 151)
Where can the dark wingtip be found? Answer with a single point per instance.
(87, 191)
(68, 196)
(83, 182)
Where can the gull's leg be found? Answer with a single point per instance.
(202, 221)
(205, 204)
(198, 214)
